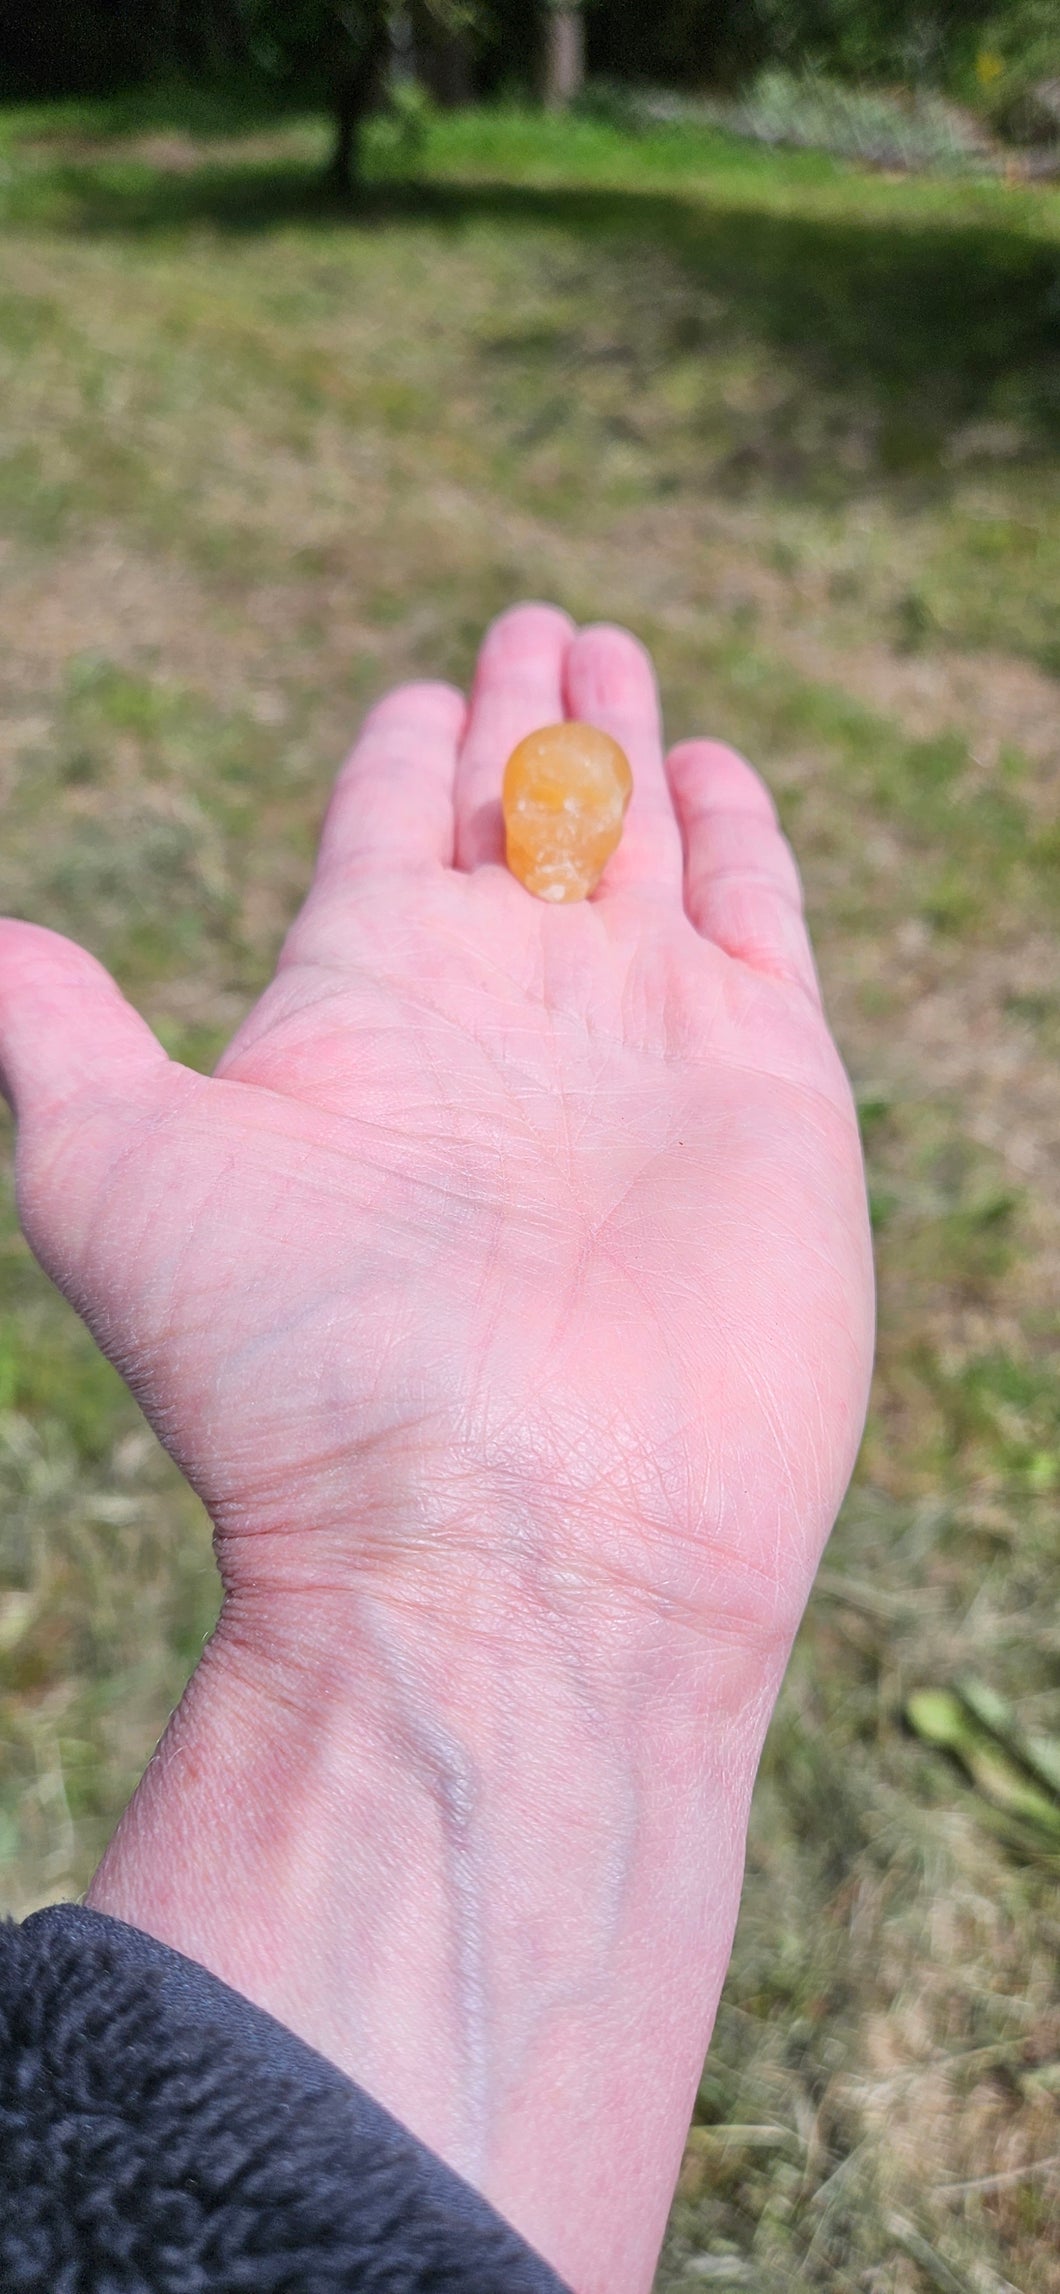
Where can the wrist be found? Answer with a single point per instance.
(480, 1842)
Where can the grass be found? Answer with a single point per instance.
(798, 426)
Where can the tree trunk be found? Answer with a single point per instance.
(358, 90)
(444, 67)
(344, 166)
(564, 55)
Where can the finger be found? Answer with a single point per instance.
(610, 682)
(77, 1064)
(392, 805)
(742, 887)
(518, 689)
(391, 810)
(66, 1031)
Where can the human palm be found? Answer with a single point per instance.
(507, 1297)
(484, 1190)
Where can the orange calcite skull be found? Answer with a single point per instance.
(564, 798)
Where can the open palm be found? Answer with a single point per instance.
(507, 1297)
(485, 1194)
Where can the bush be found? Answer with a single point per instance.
(874, 125)
(1015, 81)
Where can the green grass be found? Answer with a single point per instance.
(798, 426)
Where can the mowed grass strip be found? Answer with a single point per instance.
(798, 426)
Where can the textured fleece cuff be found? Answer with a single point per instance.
(161, 2135)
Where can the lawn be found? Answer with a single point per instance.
(799, 427)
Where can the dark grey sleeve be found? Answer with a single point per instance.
(160, 2135)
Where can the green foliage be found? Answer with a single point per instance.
(97, 46)
(991, 51)
(344, 53)
(1015, 75)
(909, 39)
(923, 42)
(314, 43)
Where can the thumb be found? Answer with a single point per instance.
(65, 1027)
(75, 1063)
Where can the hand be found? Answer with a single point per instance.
(507, 1298)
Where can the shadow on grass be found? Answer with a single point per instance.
(925, 325)
(218, 110)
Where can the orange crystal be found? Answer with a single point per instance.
(564, 798)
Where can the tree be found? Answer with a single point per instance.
(564, 53)
(97, 47)
(443, 54)
(341, 51)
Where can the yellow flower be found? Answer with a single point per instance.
(989, 67)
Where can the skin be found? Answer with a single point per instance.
(507, 1298)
